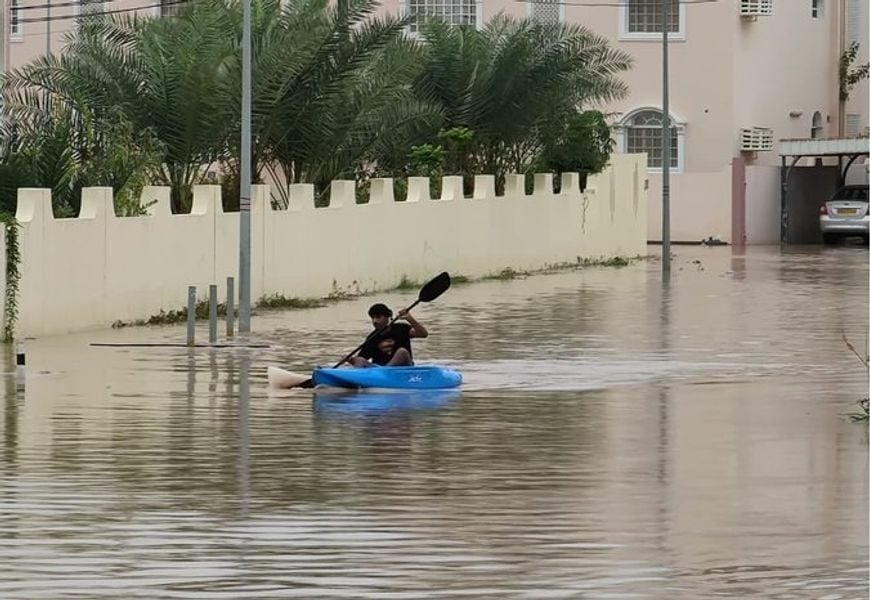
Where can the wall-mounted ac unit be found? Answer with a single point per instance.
(756, 8)
(756, 139)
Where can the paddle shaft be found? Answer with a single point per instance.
(370, 336)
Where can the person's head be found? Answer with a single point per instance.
(380, 315)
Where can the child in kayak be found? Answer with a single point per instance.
(390, 344)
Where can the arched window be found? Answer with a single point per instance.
(818, 129)
(641, 132)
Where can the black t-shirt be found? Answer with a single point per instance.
(382, 346)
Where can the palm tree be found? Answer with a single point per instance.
(164, 75)
(335, 91)
(513, 81)
(332, 89)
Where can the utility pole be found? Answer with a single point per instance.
(245, 183)
(666, 147)
(48, 27)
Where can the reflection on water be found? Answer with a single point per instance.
(379, 403)
(613, 440)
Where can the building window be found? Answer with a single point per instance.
(644, 19)
(818, 129)
(91, 7)
(818, 9)
(644, 134)
(15, 24)
(548, 12)
(641, 132)
(853, 21)
(455, 12)
(853, 125)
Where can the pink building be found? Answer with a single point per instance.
(744, 74)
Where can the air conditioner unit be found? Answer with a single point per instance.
(756, 139)
(756, 8)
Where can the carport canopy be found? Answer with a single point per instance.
(792, 151)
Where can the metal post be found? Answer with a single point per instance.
(666, 146)
(212, 314)
(231, 308)
(191, 315)
(245, 187)
(20, 367)
(48, 26)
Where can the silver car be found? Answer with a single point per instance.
(845, 214)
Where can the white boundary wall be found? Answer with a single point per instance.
(98, 268)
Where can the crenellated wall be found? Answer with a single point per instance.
(98, 268)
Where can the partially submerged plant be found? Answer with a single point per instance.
(280, 301)
(864, 414)
(863, 359)
(406, 284)
(13, 275)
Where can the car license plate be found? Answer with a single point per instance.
(847, 211)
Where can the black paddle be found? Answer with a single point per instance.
(429, 292)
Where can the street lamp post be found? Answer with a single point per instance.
(666, 146)
(245, 183)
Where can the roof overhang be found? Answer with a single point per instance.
(825, 147)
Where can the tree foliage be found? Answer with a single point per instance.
(338, 92)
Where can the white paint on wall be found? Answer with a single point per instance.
(98, 268)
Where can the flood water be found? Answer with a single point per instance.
(614, 439)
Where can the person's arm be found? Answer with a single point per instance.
(417, 328)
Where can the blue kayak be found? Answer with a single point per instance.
(389, 378)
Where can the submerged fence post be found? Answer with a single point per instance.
(231, 309)
(191, 314)
(212, 313)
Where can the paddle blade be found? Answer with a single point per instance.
(281, 379)
(435, 287)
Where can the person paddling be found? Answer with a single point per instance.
(390, 344)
